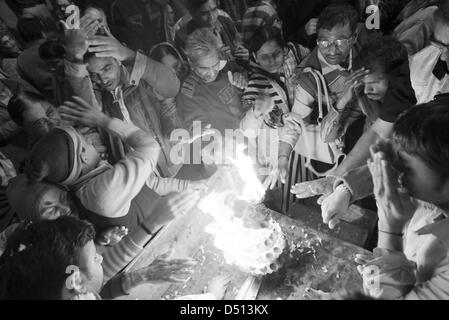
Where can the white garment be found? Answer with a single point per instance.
(425, 84)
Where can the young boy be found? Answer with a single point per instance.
(107, 195)
(412, 258)
(57, 260)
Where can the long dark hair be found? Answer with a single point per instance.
(159, 51)
(263, 35)
(33, 266)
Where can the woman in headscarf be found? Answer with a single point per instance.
(269, 97)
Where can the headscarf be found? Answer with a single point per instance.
(25, 197)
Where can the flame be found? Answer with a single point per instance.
(253, 190)
(245, 238)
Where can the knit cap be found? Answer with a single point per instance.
(52, 158)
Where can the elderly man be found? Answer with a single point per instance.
(209, 94)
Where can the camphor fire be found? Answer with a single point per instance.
(245, 236)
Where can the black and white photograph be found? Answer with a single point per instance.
(224, 157)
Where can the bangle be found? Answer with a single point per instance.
(392, 233)
(344, 189)
(146, 229)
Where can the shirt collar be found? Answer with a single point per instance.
(327, 68)
(439, 228)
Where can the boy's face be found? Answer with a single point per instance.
(422, 182)
(376, 86)
(104, 72)
(90, 267)
(336, 44)
(89, 155)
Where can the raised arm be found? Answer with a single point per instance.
(128, 175)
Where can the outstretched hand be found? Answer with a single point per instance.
(164, 270)
(80, 111)
(277, 173)
(238, 80)
(112, 236)
(310, 189)
(173, 206)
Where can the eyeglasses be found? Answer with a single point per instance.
(339, 43)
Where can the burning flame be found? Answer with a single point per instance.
(245, 238)
(253, 190)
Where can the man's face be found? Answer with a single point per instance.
(90, 267)
(104, 72)
(54, 204)
(421, 182)
(99, 16)
(335, 44)
(9, 43)
(207, 15)
(38, 111)
(208, 67)
(59, 8)
(376, 86)
(441, 37)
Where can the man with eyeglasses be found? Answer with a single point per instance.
(339, 37)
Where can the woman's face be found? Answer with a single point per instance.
(271, 57)
(54, 204)
(376, 86)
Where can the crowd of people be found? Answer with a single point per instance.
(92, 94)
